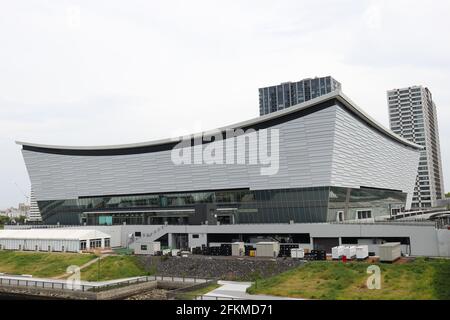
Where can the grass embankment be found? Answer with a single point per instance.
(190, 295)
(422, 279)
(40, 264)
(114, 267)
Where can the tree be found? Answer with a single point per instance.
(20, 220)
(4, 220)
(447, 195)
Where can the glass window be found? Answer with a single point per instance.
(364, 214)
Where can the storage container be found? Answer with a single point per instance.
(267, 249)
(350, 252)
(390, 251)
(147, 247)
(337, 252)
(362, 252)
(237, 249)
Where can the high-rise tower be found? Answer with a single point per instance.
(413, 116)
(288, 94)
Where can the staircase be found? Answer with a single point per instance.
(150, 237)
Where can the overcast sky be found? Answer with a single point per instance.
(111, 72)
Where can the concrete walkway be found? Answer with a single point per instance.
(60, 282)
(65, 275)
(237, 290)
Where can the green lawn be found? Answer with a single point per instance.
(422, 279)
(40, 264)
(114, 267)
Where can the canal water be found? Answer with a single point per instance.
(18, 296)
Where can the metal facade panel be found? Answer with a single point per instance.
(329, 147)
(363, 157)
(305, 161)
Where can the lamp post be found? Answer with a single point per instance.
(98, 269)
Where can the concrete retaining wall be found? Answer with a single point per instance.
(111, 294)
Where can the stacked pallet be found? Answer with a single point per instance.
(285, 249)
(225, 249)
(316, 255)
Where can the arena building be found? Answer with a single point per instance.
(325, 160)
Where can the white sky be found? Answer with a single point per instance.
(111, 72)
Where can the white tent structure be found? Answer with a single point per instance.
(53, 240)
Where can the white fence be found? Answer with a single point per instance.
(21, 281)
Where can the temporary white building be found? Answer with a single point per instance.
(267, 249)
(337, 252)
(362, 252)
(237, 249)
(53, 240)
(147, 247)
(390, 251)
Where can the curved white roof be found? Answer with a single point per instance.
(52, 234)
(338, 95)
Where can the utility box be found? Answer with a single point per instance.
(350, 252)
(147, 247)
(362, 252)
(298, 253)
(390, 251)
(337, 252)
(267, 249)
(237, 249)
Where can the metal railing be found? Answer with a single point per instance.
(158, 230)
(216, 298)
(162, 227)
(411, 222)
(443, 223)
(65, 285)
(39, 226)
(388, 222)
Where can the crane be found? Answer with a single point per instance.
(24, 194)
